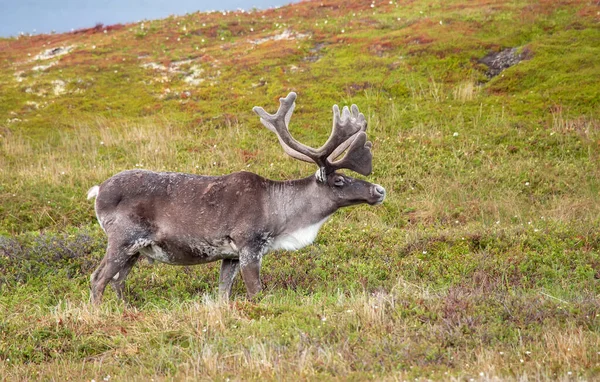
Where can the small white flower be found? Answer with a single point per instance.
(455, 134)
(527, 183)
(441, 23)
(102, 142)
(251, 29)
(343, 30)
(424, 252)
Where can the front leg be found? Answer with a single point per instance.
(229, 269)
(250, 261)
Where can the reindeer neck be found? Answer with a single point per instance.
(300, 203)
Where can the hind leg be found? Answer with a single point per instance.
(118, 259)
(118, 280)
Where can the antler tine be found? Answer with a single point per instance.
(344, 127)
(278, 123)
(358, 158)
(342, 147)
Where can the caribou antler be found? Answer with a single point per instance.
(348, 132)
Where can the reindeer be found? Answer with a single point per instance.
(185, 219)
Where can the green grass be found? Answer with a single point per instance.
(482, 263)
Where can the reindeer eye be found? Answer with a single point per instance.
(338, 181)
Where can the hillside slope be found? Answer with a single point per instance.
(422, 60)
(482, 263)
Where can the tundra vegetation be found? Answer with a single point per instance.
(482, 263)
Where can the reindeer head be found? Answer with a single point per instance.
(348, 133)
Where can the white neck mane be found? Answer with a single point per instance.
(298, 239)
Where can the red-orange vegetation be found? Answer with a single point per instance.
(99, 28)
(247, 155)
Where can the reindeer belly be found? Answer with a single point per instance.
(189, 252)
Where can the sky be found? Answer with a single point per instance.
(44, 16)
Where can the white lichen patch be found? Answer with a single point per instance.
(33, 104)
(178, 64)
(19, 76)
(191, 73)
(287, 34)
(58, 87)
(54, 52)
(155, 66)
(193, 78)
(41, 68)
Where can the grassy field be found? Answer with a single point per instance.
(482, 264)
